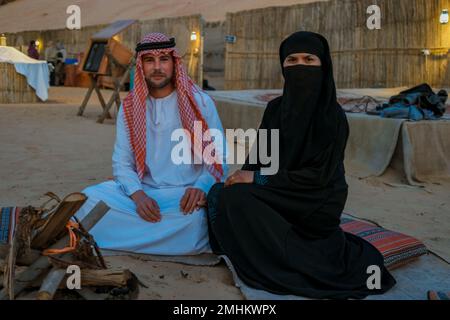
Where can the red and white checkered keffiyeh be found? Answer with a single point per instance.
(134, 107)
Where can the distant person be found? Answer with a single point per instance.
(50, 56)
(32, 50)
(50, 52)
(61, 49)
(206, 86)
(59, 70)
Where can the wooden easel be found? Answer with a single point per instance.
(118, 84)
(115, 57)
(93, 87)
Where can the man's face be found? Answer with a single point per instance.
(158, 70)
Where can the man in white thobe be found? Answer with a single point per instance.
(157, 205)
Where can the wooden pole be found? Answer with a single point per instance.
(42, 264)
(102, 101)
(115, 95)
(51, 284)
(86, 98)
(88, 95)
(108, 277)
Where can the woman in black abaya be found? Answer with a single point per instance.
(281, 231)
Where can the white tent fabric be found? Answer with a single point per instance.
(35, 71)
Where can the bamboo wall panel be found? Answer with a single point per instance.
(389, 57)
(14, 87)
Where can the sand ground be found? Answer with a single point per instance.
(47, 147)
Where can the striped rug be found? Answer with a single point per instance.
(8, 218)
(397, 248)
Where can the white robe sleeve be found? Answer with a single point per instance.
(209, 111)
(123, 162)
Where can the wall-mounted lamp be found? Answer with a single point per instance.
(444, 17)
(426, 52)
(193, 36)
(37, 43)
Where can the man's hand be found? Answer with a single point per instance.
(240, 176)
(193, 199)
(147, 208)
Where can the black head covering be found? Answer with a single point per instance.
(313, 127)
(289, 224)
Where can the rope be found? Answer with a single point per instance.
(73, 240)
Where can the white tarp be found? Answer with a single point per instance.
(35, 71)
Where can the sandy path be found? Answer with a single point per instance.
(46, 147)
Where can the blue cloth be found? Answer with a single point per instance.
(69, 61)
(418, 103)
(411, 112)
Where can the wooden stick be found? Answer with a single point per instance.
(9, 270)
(88, 95)
(57, 221)
(51, 284)
(114, 98)
(116, 94)
(42, 264)
(102, 100)
(86, 98)
(115, 277)
(100, 97)
(24, 260)
(108, 277)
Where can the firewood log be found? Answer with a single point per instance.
(51, 284)
(108, 277)
(55, 225)
(42, 264)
